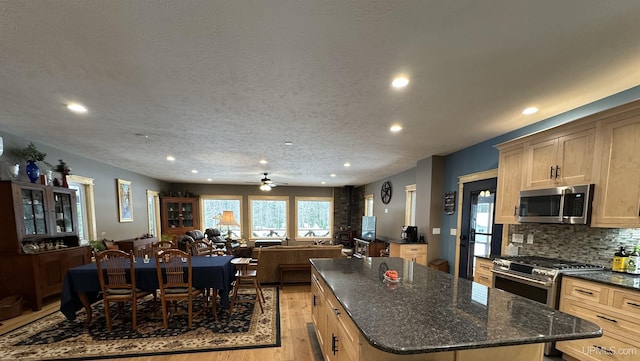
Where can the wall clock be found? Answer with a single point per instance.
(385, 192)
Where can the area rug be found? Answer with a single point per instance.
(53, 337)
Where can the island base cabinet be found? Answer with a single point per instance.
(341, 340)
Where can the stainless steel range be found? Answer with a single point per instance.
(535, 278)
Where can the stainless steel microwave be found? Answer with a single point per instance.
(566, 205)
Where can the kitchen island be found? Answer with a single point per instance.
(427, 315)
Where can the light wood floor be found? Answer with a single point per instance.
(295, 313)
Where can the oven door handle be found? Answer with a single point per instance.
(525, 279)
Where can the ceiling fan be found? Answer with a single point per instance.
(266, 183)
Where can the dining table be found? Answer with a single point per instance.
(81, 286)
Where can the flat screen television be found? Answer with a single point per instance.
(368, 228)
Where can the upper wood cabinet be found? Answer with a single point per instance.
(617, 194)
(179, 215)
(562, 157)
(603, 149)
(509, 183)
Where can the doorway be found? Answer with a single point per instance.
(479, 235)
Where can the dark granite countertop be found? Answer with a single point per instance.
(489, 257)
(608, 277)
(431, 311)
(402, 241)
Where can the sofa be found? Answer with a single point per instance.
(272, 257)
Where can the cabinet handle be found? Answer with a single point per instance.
(484, 278)
(633, 304)
(584, 292)
(551, 173)
(602, 349)
(557, 171)
(334, 343)
(336, 312)
(314, 301)
(484, 266)
(607, 319)
(515, 211)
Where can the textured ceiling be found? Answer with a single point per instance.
(223, 84)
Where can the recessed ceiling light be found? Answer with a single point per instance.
(400, 82)
(332, 175)
(209, 180)
(170, 158)
(530, 110)
(194, 171)
(140, 135)
(263, 161)
(395, 128)
(347, 164)
(323, 182)
(77, 108)
(288, 143)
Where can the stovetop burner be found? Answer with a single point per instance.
(550, 263)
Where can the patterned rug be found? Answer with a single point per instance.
(53, 337)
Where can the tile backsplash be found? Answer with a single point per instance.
(575, 242)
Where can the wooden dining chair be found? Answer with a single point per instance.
(247, 278)
(170, 267)
(116, 284)
(200, 247)
(162, 245)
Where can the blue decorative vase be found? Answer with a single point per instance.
(33, 172)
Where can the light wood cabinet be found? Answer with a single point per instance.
(509, 183)
(482, 273)
(338, 337)
(617, 195)
(615, 309)
(412, 251)
(562, 157)
(179, 215)
(39, 240)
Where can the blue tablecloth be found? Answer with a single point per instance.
(208, 272)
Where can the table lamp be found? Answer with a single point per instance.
(228, 219)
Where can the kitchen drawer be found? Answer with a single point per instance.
(317, 283)
(483, 278)
(612, 323)
(484, 265)
(583, 290)
(412, 251)
(599, 349)
(627, 301)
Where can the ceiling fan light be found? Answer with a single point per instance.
(265, 187)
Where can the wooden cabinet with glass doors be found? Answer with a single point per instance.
(179, 215)
(40, 240)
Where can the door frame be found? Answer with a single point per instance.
(467, 178)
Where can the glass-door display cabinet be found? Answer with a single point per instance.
(40, 240)
(179, 215)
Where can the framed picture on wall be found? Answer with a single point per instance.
(125, 203)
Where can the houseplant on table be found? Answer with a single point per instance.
(31, 154)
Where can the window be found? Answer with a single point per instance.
(212, 207)
(368, 205)
(86, 208)
(153, 204)
(410, 205)
(268, 217)
(314, 217)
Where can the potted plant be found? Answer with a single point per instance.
(31, 154)
(64, 171)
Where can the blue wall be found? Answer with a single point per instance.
(483, 156)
